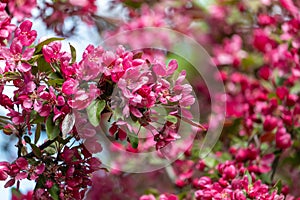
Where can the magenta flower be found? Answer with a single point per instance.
(22, 9)
(83, 98)
(161, 69)
(290, 6)
(67, 69)
(147, 197)
(283, 139)
(51, 51)
(25, 34)
(4, 170)
(6, 28)
(230, 53)
(270, 123)
(262, 41)
(91, 64)
(17, 118)
(129, 84)
(15, 57)
(70, 86)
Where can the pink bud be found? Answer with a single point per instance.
(283, 139)
(270, 123)
(22, 163)
(264, 72)
(282, 92)
(230, 172)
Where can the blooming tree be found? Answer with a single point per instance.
(62, 105)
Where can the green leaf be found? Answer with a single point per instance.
(39, 47)
(73, 53)
(35, 58)
(37, 152)
(211, 162)
(278, 186)
(43, 66)
(37, 134)
(4, 120)
(55, 79)
(171, 118)
(16, 193)
(51, 129)
(252, 61)
(295, 89)
(40, 182)
(249, 177)
(153, 191)
(94, 111)
(27, 139)
(55, 83)
(55, 75)
(51, 150)
(12, 75)
(132, 4)
(134, 140)
(64, 141)
(54, 192)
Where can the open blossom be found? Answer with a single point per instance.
(83, 98)
(52, 51)
(70, 86)
(129, 84)
(25, 34)
(91, 63)
(6, 28)
(22, 9)
(256, 46)
(15, 56)
(163, 70)
(230, 52)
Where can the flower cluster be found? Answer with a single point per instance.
(53, 93)
(255, 45)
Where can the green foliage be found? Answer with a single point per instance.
(134, 140)
(52, 129)
(54, 192)
(73, 53)
(94, 111)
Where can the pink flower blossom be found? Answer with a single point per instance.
(22, 9)
(16, 58)
(51, 51)
(70, 86)
(83, 98)
(25, 34)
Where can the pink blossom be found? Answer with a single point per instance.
(147, 197)
(4, 170)
(22, 9)
(91, 64)
(70, 86)
(262, 41)
(16, 58)
(270, 123)
(25, 34)
(83, 98)
(290, 6)
(51, 51)
(283, 139)
(6, 28)
(162, 70)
